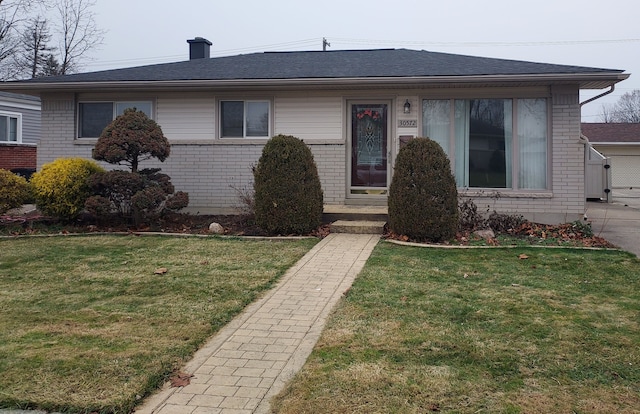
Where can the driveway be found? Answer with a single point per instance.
(618, 221)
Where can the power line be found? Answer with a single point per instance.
(484, 44)
(297, 44)
(214, 53)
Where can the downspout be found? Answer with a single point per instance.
(585, 141)
(613, 88)
(582, 138)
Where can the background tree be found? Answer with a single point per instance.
(34, 44)
(50, 67)
(78, 33)
(56, 42)
(626, 110)
(12, 16)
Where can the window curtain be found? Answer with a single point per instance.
(532, 140)
(436, 122)
(508, 141)
(461, 128)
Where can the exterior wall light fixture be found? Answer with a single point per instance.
(407, 107)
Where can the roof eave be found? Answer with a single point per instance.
(617, 143)
(584, 80)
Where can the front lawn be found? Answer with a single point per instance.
(519, 330)
(95, 323)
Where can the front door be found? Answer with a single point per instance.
(369, 147)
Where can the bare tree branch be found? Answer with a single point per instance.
(627, 109)
(74, 31)
(605, 114)
(78, 33)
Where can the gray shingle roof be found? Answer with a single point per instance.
(330, 65)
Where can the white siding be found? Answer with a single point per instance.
(310, 118)
(186, 118)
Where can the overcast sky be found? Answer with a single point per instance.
(593, 33)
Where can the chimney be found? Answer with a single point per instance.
(199, 48)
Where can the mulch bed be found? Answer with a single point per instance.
(238, 225)
(177, 223)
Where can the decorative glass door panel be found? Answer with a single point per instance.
(369, 148)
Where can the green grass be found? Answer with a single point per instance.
(87, 326)
(479, 331)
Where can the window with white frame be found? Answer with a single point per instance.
(491, 143)
(93, 117)
(10, 127)
(245, 119)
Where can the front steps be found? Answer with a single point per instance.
(358, 227)
(355, 219)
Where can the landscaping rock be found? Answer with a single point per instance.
(486, 234)
(216, 228)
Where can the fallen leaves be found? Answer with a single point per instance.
(180, 379)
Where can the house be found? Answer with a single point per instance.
(511, 128)
(19, 132)
(621, 144)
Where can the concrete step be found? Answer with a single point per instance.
(358, 226)
(334, 213)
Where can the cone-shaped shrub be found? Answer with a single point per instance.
(423, 198)
(288, 195)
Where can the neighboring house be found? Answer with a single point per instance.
(620, 143)
(510, 128)
(19, 132)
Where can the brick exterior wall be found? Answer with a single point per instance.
(18, 156)
(565, 199)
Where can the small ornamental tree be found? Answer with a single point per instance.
(131, 138)
(288, 194)
(138, 194)
(423, 198)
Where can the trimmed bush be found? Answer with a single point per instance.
(61, 187)
(131, 138)
(423, 198)
(139, 195)
(116, 186)
(14, 191)
(288, 194)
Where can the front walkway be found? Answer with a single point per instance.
(250, 359)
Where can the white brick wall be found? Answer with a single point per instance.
(212, 172)
(565, 200)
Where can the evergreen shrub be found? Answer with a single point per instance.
(139, 195)
(61, 187)
(288, 193)
(423, 198)
(14, 191)
(130, 139)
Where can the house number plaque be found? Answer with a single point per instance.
(407, 123)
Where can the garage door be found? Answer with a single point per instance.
(625, 171)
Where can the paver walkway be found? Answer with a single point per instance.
(250, 360)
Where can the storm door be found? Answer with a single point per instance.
(369, 148)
